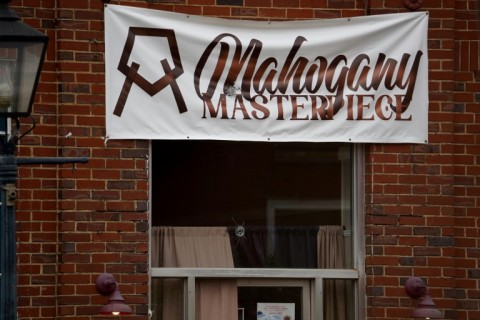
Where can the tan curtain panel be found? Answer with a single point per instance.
(331, 255)
(196, 247)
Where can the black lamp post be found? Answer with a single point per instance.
(22, 52)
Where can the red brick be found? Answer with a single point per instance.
(407, 187)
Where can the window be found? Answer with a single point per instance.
(242, 226)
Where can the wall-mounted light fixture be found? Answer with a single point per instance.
(426, 309)
(107, 286)
(413, 4)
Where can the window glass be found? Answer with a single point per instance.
(250, 298)
(168, 298)
(274, 299)
(260, 205)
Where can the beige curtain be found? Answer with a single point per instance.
(331, 255)
(196, 247)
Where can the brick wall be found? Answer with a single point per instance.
(422, 215)
(77, 222)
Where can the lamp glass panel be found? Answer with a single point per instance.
(20, 64)
(7, 66)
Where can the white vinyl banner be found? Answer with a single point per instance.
(176, 76)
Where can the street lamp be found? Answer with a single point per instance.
(22, 52)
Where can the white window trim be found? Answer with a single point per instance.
(315, 275)
(263, 273)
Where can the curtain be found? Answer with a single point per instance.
(249, 250)
(331, 255)
(196, 247)
(275, 247)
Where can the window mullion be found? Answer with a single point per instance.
(190, 301)
(317, 299)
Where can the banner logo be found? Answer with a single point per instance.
(132, 72)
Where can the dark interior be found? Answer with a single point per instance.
(227, 183)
